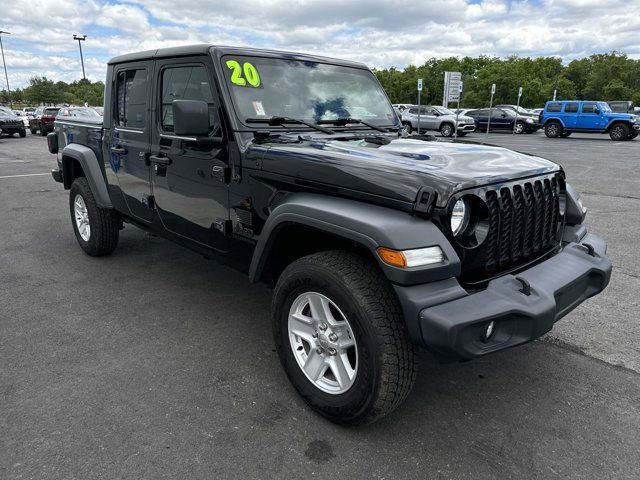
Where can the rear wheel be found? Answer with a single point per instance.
(553, 129)
(407, 127)
(43, 132)
(97, 229)
(341, 337)
(446, 130)
(33, 130)
(619, 131)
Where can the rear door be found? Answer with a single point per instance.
(481, 117)
(570, 116)
(127, 142)
(189, 179)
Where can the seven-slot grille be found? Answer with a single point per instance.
(523, 222)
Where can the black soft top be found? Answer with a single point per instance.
(219, 51)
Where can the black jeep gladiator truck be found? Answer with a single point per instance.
(296, 169)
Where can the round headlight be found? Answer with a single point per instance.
(459, 217)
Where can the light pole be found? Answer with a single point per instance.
(5, 68)
(84, 77)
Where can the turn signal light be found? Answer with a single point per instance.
(417, 257)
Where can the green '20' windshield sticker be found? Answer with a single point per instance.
(245, 75)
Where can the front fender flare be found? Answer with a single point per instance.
(369, 225)
(91, 168)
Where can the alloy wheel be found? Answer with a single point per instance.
(81, 215)
(323, 343)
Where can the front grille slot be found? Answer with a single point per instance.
(523, 223)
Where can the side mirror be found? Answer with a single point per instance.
(503, 115)
(190, 118)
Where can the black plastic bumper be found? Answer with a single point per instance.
(57, 175)
(523, 306)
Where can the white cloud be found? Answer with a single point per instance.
(381, 33)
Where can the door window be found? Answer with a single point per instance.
(554, 107)
(571, 107)
(590, 108)
(131, 99)
(186, 83)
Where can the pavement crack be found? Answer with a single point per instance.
(556, 342)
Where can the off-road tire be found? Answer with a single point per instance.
(386, 359)
(619, 131)
(104, 222)
(43, 132)
(33, 130)
(22, 133)
(553, 129)
(407, 127)
(447, 129)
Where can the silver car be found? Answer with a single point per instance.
(437, 118)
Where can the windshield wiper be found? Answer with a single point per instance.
(342, 122)
(278, 121)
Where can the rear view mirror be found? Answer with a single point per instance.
(190, 118)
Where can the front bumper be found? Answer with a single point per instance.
(455, 324)
(466, 127)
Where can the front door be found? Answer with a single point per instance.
(127, 144)
(189, 178)
(589, 117)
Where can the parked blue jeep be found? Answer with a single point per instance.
(562, 118)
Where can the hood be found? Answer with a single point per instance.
(401, 168)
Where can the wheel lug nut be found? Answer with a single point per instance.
(319, 350)
(333, 337)
(332, 351)
(314, 334)
(323, 326)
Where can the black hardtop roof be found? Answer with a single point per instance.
(203, 49)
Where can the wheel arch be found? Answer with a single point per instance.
(616, 122)
(316, 222)
(81, 161)
(547, 121)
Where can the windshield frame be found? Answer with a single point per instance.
(220, 56)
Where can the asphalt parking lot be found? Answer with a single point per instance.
(155, 363)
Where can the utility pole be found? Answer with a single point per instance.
(5, 68)
(84, 77)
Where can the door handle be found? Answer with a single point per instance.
(160, 159)
(119, 150)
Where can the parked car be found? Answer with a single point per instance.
(29, 110)
(536, 111)
(373, 240)
(10, 123)
(402, 106)
(43, 120)
(502, 120)
(437, 118)
(77, 112)
(622, 106)
(519, 109)
(24, 116)
(562, 118)
(100, 110)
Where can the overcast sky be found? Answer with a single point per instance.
(381, 33)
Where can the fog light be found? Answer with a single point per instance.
(488, 331)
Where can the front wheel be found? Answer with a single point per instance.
(619, 131)
(22, 133)
(446, 130)
(97, 229)
(407, 127)
(341, 337)
(519, 128)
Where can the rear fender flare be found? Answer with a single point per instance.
(91, 168)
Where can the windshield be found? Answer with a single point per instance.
(83, 112)
(444, 111)
(310, 91)
(606, 108)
